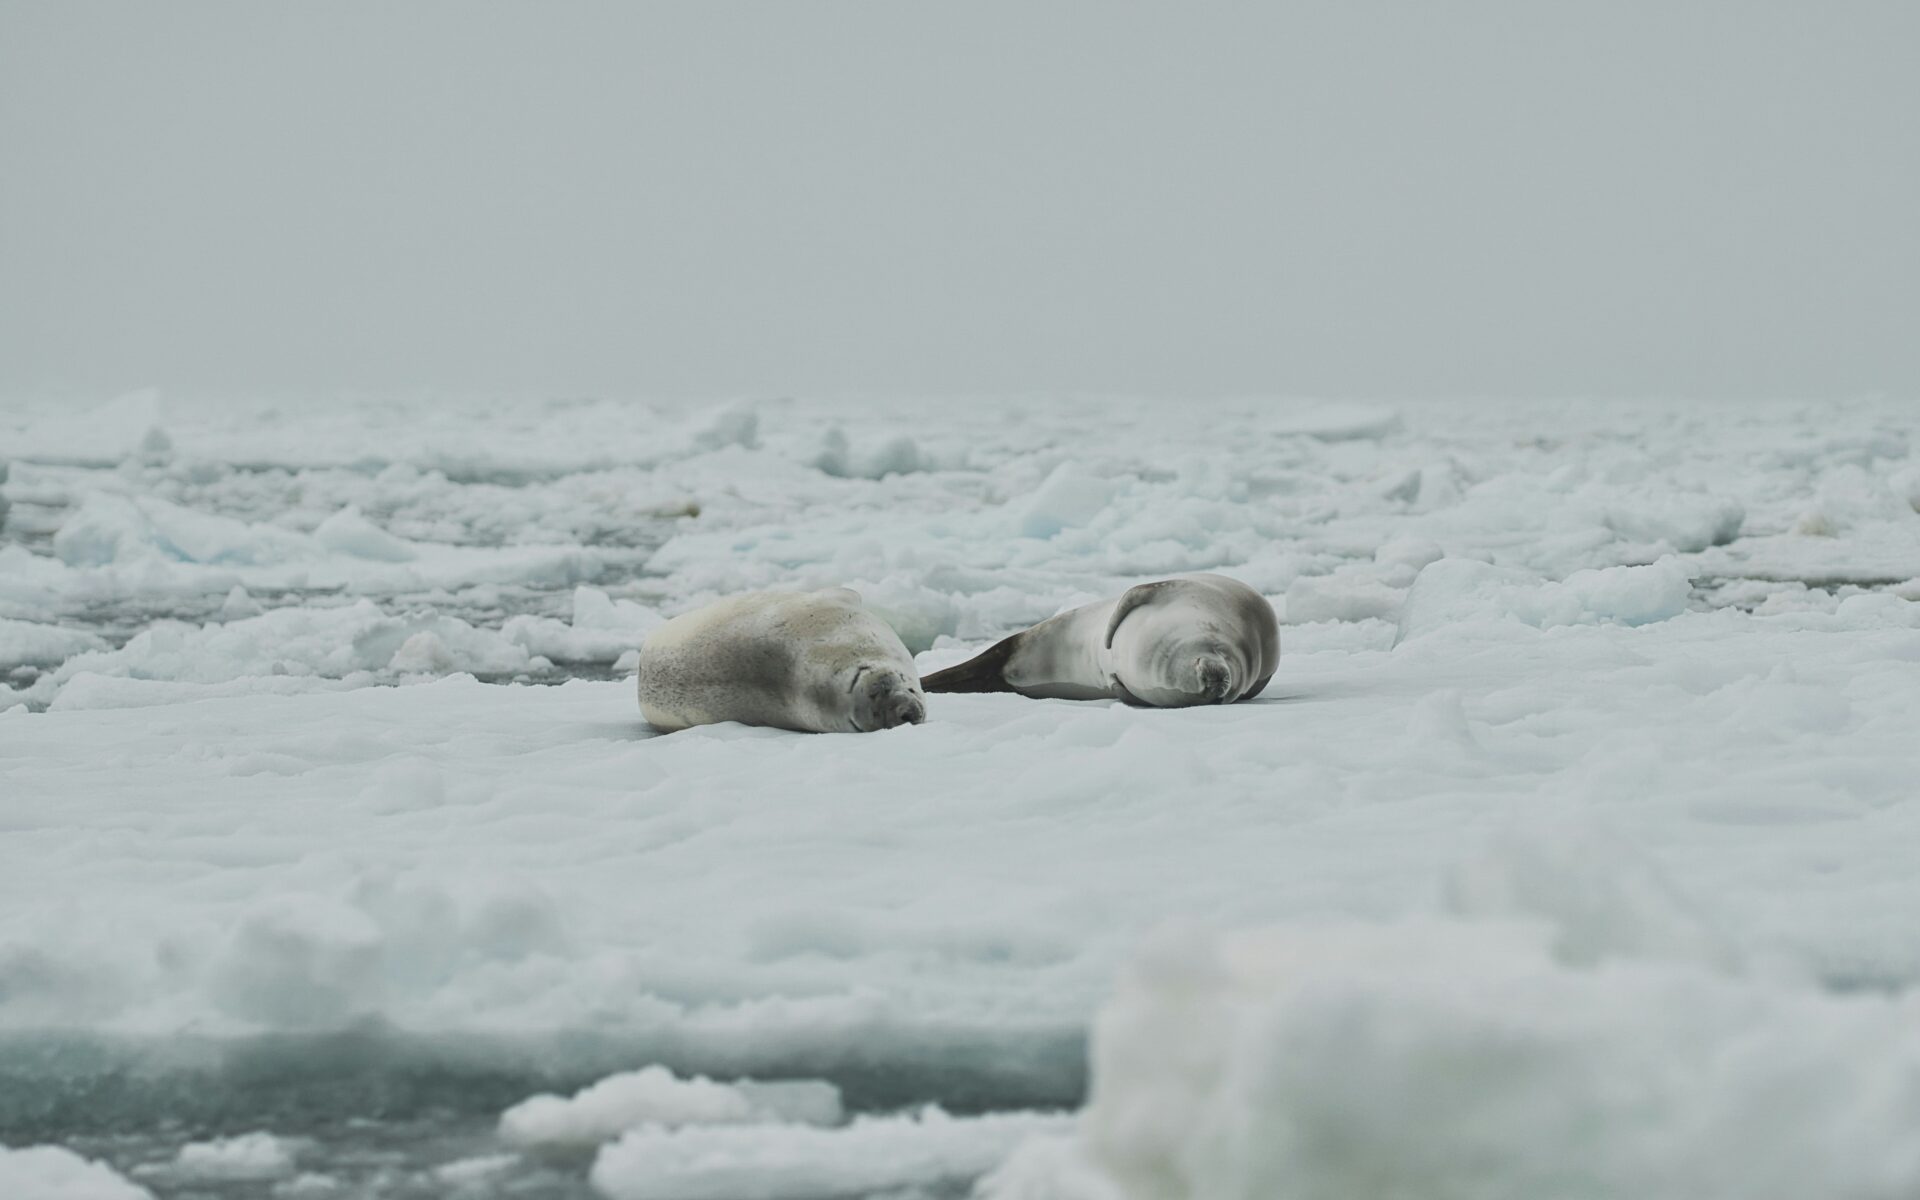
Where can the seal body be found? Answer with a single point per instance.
(1199, 639)
(816, 662)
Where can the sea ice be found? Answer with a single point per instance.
(1326, 1061)
(654, 1096)
(51, 1173)
(245, 1157)
(33, 644)
(797, 1162)
(1639, 677)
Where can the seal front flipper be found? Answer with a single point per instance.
(985, 672)
(1136, 597)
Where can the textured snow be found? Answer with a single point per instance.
(1453, 594)
(248, 1156)
(790, 1162)
(1642, 675)
(458, 855)
(316, 643)
(654, 1096)
(51, 1173)
(600, 629)
(115, 542)
(1447, 1058)
(473, 1172)
(32, 644)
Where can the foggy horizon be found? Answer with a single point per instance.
(864, 199)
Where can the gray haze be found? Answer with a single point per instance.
(1347, 198)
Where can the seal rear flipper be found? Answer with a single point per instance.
(985, 672)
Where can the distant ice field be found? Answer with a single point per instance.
(1610, 704)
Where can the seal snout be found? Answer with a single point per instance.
(904, 708)
(886, 701)
(1216, 679)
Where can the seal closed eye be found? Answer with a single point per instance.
(810, 661)
(1199, 639)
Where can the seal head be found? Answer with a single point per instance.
(882, 697)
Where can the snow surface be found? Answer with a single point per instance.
(249, 1156)
(789, 1162)
(1447, 1058)
(1639, 677)
(51, 1173)
(654, 1096)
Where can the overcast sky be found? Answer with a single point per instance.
(1344, 198)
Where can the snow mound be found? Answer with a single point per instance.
(1340, 598)
(899, 455)
(1870, 553)
(1603, 899)
(250, 1156)
(309, 961)
(303, 642)
(33, 644)
(51, 1173)
(109, 528)
(1069, 497)
(920, 614)
(131, 425)
(1680, 521)
(1412, 553)
(348, 532)
(654, 1096)
(472, 1172)
(112, 544)
(797, 1162)
(1457, 591)
(601, 631)
(239, 605)
(1339, 422)
(1456, 1059)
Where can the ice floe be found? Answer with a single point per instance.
(1468, 1059)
